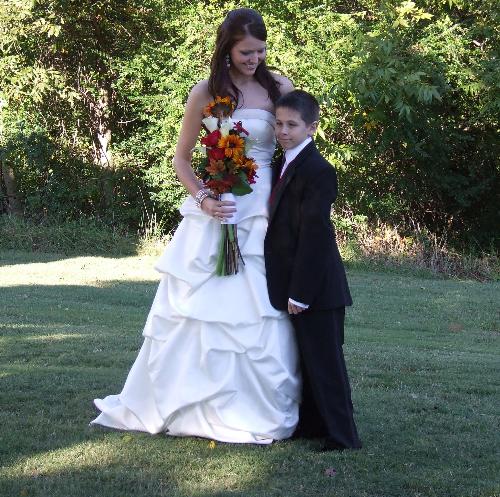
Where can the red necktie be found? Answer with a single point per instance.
(276, 186)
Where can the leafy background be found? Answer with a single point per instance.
(409, 94)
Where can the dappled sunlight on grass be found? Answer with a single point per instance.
(91, 454)
(28, 326)
(193, 467)
(90, 271)
(42, 332)
(54, 337)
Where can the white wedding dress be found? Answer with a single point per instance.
(218, 361)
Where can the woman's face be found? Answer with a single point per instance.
(247, 54)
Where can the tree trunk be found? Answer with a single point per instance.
(14, 205)
(7, 176)
(104, 156)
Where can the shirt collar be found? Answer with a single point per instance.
(291, 153)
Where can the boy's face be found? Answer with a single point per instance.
(291, 130)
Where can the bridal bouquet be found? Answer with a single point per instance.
(226, 171)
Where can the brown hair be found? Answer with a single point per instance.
(302, 102)
(238, 24)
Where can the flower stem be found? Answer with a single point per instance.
(229, 251)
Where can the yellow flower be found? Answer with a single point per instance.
(233, 145)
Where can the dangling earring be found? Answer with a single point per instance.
(228, 61)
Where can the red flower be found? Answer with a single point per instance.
(231, 180)
(251, 174)
(220, 185)
(240, 129)
(211, 139)
(216, 153)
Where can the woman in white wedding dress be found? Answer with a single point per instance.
(218, 361)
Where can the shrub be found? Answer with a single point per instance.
(408, 90)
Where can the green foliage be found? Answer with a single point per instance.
(409, 94)
(410, 140)
(79, 237)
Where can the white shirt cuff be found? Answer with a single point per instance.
(299, 304)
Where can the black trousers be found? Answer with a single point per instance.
(326, 409)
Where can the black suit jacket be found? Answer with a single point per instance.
(301, 254)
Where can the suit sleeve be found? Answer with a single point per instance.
(315, 237)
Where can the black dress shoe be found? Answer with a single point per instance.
(306, 433)
(330, 445)
(327, 447)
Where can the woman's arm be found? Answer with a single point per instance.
(286, 86)
(190, 129)
(188, 136)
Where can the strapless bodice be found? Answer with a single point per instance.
(260, 125)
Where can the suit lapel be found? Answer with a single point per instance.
(281, 183)
(277, 166)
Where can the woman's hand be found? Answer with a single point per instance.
(218, 209)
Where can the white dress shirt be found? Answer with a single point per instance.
(290, 155)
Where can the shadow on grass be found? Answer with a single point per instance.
(71, 326)
(34, 301)
(136, 464)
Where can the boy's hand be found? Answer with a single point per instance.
(295, 309)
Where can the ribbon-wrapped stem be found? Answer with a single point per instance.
(229, 251)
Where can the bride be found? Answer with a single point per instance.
(218, 361)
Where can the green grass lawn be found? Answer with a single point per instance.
(422, 353)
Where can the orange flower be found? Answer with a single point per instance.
(233, 145)
(223, 100)
(215, 167)
(250, 165)
(220, 107)
(245, 163)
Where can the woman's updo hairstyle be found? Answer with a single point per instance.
(238, 24)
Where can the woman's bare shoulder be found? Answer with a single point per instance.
(286, 86)
(200, 91)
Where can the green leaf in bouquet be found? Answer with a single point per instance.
(242, 187)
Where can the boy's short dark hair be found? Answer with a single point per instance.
(302, 102)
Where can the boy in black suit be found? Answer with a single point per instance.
(305, 273)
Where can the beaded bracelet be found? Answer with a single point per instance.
(200, 196)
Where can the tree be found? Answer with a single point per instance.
(60, 60)
(409, 94)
